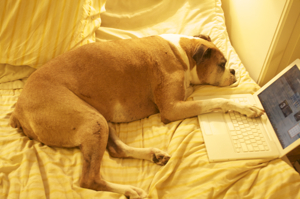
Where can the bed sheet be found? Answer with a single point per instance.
(29, 169)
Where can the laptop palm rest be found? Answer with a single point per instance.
(217, 124)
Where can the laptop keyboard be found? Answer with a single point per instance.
(245, 133)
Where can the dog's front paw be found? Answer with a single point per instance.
(159, 157)
(252, 111)
(134, 192)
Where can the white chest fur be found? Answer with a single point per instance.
(190, 76)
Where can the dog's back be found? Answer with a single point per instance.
(116, 78)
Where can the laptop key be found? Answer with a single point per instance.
(244, 147)
(229, 123)
(261, 147)
(257, 138)
(266, 146)
(257, 148)
(250, 148)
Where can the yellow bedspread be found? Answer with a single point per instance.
(29, 169)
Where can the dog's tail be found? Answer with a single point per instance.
(14, 122)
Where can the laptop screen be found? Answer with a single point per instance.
(281, 101)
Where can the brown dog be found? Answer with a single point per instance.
(70, 100)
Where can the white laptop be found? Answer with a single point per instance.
(231, 136)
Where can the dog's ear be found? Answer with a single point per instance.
(205, 37)
(202, 53)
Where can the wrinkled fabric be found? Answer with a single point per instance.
(29, 169)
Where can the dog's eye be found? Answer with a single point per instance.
(222, 65)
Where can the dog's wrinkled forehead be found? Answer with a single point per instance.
(203, 52)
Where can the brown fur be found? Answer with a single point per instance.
(70, 100)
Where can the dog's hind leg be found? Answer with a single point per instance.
(93, 145)
(118, 149)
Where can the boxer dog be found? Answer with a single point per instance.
(72, 100)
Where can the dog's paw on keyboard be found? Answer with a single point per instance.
(243, 106)
(252, 111)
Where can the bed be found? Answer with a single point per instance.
(34, 32)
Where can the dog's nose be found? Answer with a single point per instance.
(232, 71)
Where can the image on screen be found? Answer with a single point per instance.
(281, 101)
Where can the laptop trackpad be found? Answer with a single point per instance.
(217, 123)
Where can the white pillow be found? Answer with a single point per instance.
(34, 32)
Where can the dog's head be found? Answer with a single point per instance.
(211, 64)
